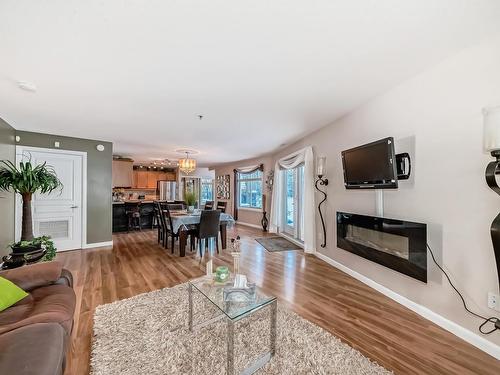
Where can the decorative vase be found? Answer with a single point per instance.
(190, 209)
(264, 222)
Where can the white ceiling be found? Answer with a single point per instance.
(263, 73)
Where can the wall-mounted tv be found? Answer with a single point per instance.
(371, 166)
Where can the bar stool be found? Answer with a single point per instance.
(133, 212)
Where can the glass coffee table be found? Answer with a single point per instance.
(233, 311)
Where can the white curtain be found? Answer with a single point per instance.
(293, 160)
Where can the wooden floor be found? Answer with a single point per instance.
(381, 329)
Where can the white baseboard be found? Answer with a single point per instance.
(249, 225)
(97, 244)
(465, 334)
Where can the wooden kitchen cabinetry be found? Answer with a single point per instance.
(144, 179)
(122, 173)
(140, 180)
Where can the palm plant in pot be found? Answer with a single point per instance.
(27, 180)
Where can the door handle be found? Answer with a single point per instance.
(74, 207)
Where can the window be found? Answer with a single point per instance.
(207, 190)
(250, 190)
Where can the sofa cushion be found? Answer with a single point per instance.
(10, 293)
(36, 349)
(49, 304)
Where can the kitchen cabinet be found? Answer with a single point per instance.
(152, 179)
(144, 179)
(122, 173)
(140, 179)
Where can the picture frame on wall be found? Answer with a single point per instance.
(223, 186)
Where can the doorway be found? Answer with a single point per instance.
(62, 213)
(293, 201)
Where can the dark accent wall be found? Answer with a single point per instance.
(99, 204)
(7, 202)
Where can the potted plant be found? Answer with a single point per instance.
(27, 180)
(190, 199)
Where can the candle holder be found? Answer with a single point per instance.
(235, 245)
(321, 170)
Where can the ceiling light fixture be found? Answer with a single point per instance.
(187, 165)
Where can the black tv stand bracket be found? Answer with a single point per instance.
(403, 166)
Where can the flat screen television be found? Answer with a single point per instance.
(371, 166)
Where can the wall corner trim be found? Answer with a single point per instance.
(97, 244)
(465, 334)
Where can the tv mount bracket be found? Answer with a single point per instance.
(403, 166)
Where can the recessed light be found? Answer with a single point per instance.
(27, 86)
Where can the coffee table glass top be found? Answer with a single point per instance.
(214, 292)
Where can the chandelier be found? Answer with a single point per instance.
(187, 165)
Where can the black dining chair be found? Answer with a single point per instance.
(184, 205)
(174, 206)
(157, 220)
(168, 232)
(162, 220)
(209, 205)
(208, 228)
(221, 206)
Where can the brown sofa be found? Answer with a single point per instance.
(35, 332)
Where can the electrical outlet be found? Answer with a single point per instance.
(493, 301)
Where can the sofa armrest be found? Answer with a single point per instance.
(35, 275)
(66, 278)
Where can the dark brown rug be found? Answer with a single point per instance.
(273, 244)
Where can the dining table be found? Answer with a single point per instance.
(183, 220)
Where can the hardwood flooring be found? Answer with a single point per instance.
(380, 328)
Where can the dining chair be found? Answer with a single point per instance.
(221, 206)
(209, 205)
(167, 224)
(184, 205)
(163, 224)
(208, 228)
(157, 220)
(174, 206)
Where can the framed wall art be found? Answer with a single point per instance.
(223, 186)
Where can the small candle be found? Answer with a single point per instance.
(321, 168)
(209, 268)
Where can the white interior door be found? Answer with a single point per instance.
(58, 214)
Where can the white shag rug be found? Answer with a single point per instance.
(148, 334)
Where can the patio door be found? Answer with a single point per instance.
(60, 213)
(293, 201)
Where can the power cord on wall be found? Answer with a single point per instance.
(494, 320)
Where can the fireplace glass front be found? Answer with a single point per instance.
(396, 244)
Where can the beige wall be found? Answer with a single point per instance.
(247, 216)
(7, 152)
(437, 117)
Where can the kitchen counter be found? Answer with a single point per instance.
(120, 218)
(135, 201)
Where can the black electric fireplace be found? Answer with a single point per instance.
(399, 245)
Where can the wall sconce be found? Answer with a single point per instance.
(491, 117)
(321, 171)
